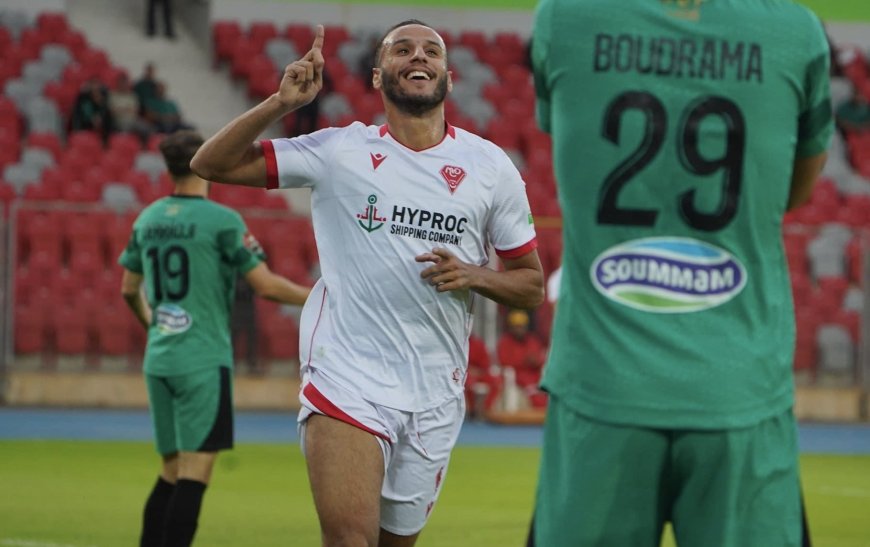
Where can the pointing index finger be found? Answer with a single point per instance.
(318, 38)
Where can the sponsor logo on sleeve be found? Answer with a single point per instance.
(668, 275)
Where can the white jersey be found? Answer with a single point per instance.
(372, 324)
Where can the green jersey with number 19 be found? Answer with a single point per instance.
(190, 251)
(675, 127)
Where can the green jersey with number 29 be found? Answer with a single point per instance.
(190, 251)
(675, 126)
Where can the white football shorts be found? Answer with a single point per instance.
(416, 446)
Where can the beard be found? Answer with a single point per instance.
(415, 105)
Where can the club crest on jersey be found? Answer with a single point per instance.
(369, 219)
(453, 175)
(377, 160)
(668, 275)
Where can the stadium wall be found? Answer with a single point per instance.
(127, 390)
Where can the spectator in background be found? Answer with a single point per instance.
(91, 109)
(151, 18)
(522, 350)
(124, 108)
(146, 86)
(480, 379)
(853, 114)
(163, 113)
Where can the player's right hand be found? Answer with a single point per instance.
(303, 79)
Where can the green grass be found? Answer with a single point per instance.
(90, 494)
(832, 10)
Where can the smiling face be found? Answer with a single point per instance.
(412, 69)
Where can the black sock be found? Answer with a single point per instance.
(183, 513)
(154, 516)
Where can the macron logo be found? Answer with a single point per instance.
(377, 160)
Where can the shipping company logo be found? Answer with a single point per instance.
(377, 160)
(453, 176)
(172, 319)
(369, 219)
(668, 275)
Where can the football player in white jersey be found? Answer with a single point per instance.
(404, 216)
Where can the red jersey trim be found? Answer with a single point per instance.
(522, 250)
(325, 406)
(271, 164)
(449, 130)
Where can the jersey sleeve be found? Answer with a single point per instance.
(131, 256)
(301, 161)
(238, 247)
(816, 123)
(541, 33)
(511, 228)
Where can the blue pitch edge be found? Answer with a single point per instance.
(278, 427)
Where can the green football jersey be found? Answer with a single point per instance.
(190, 251)
(675, 126)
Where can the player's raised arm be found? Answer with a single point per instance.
(232, 156)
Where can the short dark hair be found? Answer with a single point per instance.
(178, 149)
(380, 47)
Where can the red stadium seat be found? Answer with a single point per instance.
(43, 235)
(336, 35)
(854, 256)
(474, 39)
(153, 144)
(6, 40)
(32, 40)
(87, 264)
(260, 32)
(52, 23)
(126, 145)
(84, 235)
(281, 337)
(302, 37)
(47, 141)
(41, 192)
(7, 193)
(30, 330)
(87, 143)
(93, 62)
(834, 289)
(114, 333)
(241, 57)
(225, 36)
(75, 41)
(71, 332)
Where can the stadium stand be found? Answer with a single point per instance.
(72, 195)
